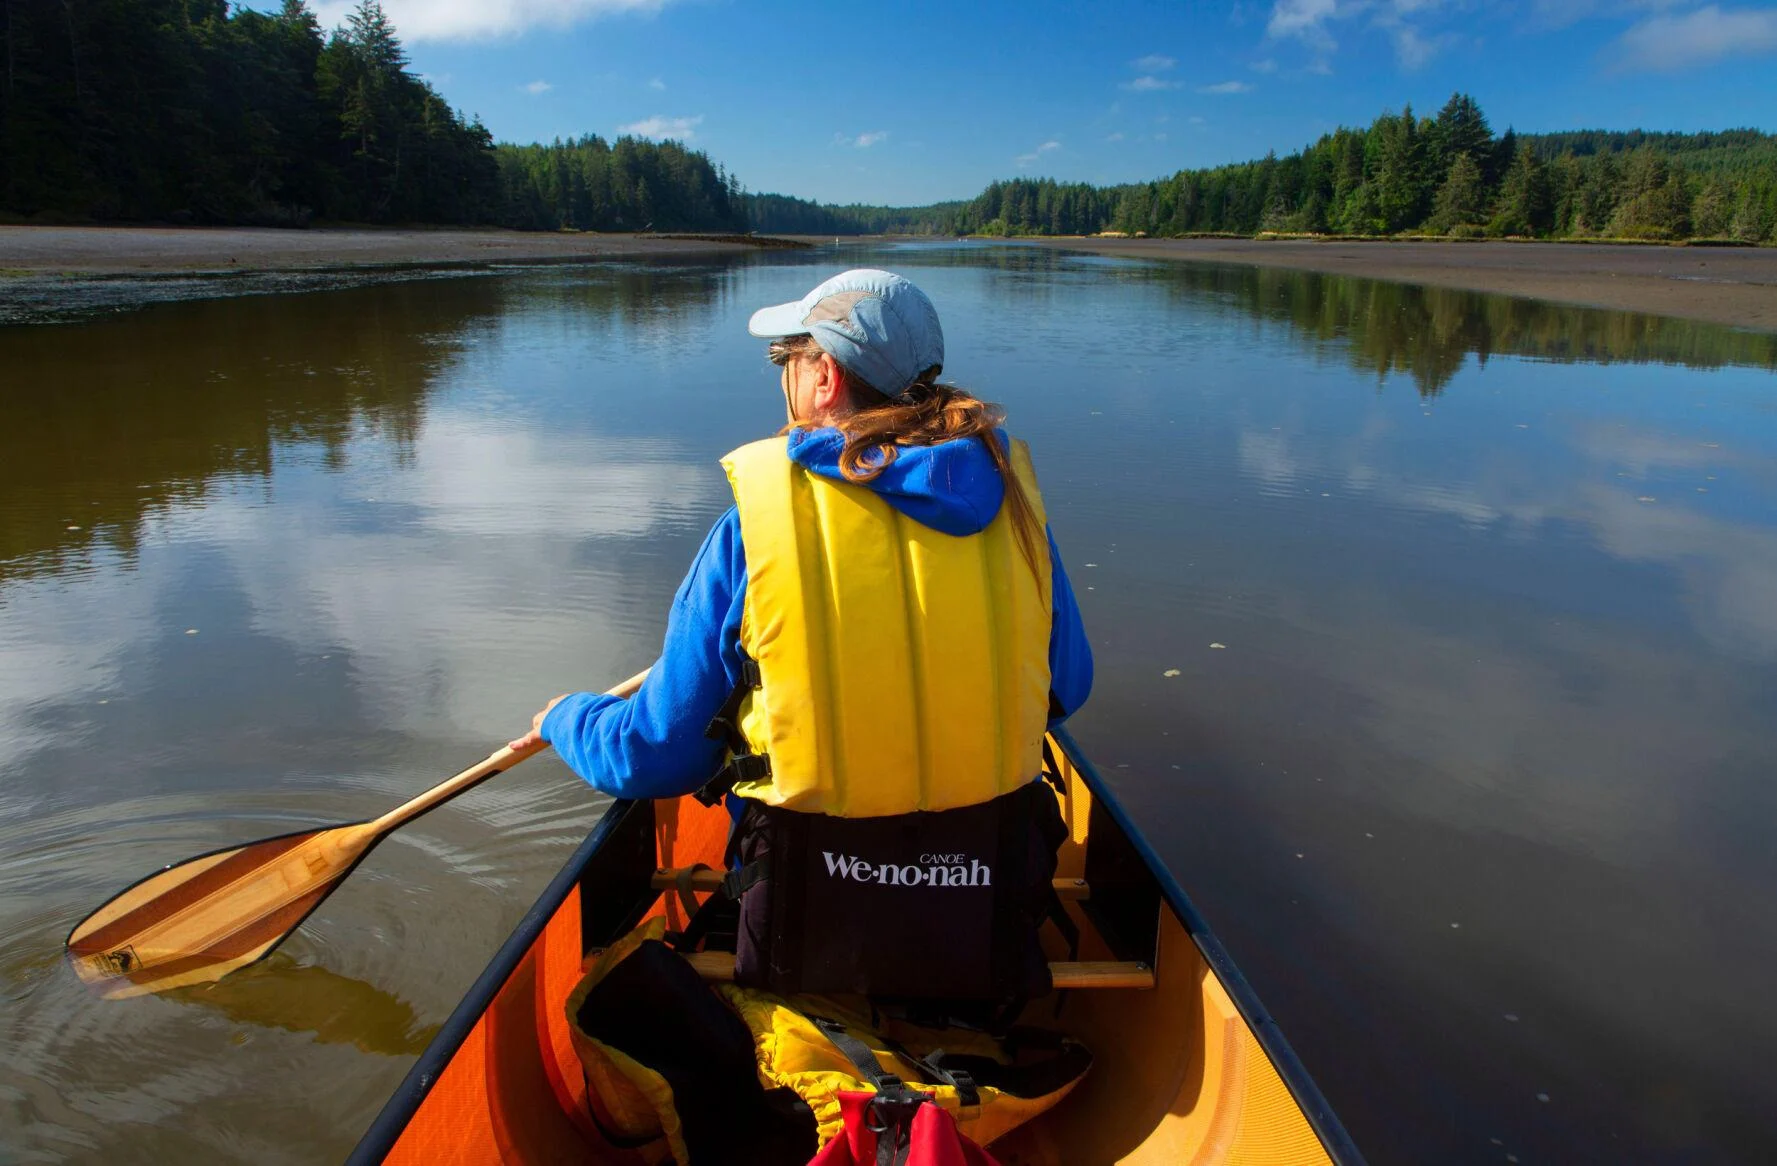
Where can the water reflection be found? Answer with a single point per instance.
(1429, 333)
(108, 423)
(112, 422)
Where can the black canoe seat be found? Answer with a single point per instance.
(704, 881)
(1067, 974)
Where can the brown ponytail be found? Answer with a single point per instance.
(927, 413)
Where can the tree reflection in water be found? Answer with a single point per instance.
(1429, 333)
(112, 421)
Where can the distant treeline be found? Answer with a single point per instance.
(1448, 175)
(781, 214)
(193, 111)
(629, 185)
(196, 111)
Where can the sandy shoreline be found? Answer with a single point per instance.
(1736, 286)
(141, 251)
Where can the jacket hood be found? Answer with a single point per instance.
(952, 488)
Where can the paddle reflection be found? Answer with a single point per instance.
(277, 992)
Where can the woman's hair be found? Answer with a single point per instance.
(925, 413)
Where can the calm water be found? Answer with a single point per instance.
(1473, 605)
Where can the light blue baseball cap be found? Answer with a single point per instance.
(874, 323)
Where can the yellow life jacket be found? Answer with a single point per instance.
(900, 668)
(794, 1053)
(635, 1106)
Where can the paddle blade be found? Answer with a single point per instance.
(198, 921)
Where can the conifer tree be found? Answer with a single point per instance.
(1656, 204)
(1460, 128)
(1524, 206)
(1460, 201)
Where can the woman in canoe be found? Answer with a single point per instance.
(864, 659)
(871, 430)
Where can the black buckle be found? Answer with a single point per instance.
(745, 767)
(725, 725)
(738, 882)
(893, 1106)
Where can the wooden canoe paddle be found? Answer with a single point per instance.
(198, 921)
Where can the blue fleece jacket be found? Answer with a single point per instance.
(652, 745)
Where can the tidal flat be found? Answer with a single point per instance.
(1736, 286)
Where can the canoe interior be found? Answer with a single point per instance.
(1191, 1070)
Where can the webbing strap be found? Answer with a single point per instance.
(741, 767)
(1052, 770)
(725, 725)
(856, 1051)
(933, 1067)
(890, 1116)
(682, 884)
(734, 884)
(743, 764)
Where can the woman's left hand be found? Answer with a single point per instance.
(535, 736)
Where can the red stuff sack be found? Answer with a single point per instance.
(898, 1127)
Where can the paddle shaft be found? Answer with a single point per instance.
(500, 760)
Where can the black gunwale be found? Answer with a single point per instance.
(383, 1132)
(386, 1130)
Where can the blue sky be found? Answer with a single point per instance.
(910, 103)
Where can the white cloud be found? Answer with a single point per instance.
(1026, 159)
(538, 88)
(1265, 66)
(1308, 21)
(656, 83)
(433, 20)
(658, 127)
(1226, 87)
(1667, 43)
(1153, 63)
(1550, 14)
(1415, 51)
(1116, 137)
(1147, 83)
(865, 141)
(1305, 20)
(1196, 121)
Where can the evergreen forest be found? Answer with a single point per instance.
(193, 111)
(1404, 175)
(196, 111)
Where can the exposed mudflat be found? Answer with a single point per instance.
(1725, 285)
(191, 250)
(62, 273)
